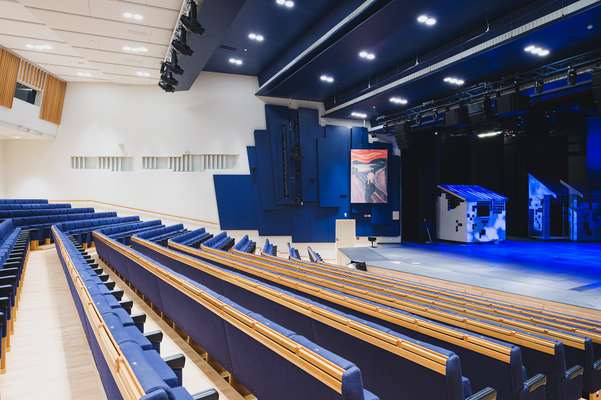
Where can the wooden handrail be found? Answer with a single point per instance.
(510, 335)
(120, 369)
(460, 306)
(462, 339)
(303, 357)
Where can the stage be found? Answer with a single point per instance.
(559, 271)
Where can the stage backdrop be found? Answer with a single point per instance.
(369, 176)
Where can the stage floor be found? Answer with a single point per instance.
(560, 271)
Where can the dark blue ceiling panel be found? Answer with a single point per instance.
(280, 26)
(564, 38)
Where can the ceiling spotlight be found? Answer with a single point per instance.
(172, 64)
(358, 115)
(426, 20)
(572, 76)
(454, 81)
(168, 78)
(590, 27)
(537, 51)
(130, 49)
(38, 46)
(366, 55)
(489, 134)
(285, 3)
(398, 100)
(256, 37)
(190, 21)
(179, 43)
(143, 74)
(326, 78)
(236, 61)
(166, 87)
(134, 16)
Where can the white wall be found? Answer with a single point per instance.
(218, 115)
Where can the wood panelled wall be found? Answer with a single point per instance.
(54, 97)
(13, 69)
(31, 76)
(9, 67)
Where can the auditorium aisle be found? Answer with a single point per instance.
(50, 357)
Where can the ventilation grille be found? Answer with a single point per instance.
(105, 163)
(191, 162)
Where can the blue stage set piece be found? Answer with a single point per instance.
(470, 214)
(300, 181)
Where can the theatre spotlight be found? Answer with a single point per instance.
(539, 86)
(179, 43)
(168, 78)
(572, 76)
(172, 65)
(190, 21)
(166, 87)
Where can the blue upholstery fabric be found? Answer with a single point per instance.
(234, 349)
(33, 206)
(156, 378)
(215, 240)
(192, 238)
(160, 231)
(43, 212)
(23, 201)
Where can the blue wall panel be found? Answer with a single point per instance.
(334, 166)
(593, 152)
(236, 211)
(310, 131)
(281, 124)
(263, 174)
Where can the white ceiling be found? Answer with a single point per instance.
(87, 37)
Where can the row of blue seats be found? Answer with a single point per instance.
(155, 378)
(479, 367)
(270, 248)
(163, 234)
(14, 248)
(582, 341)
(273, 362)
(9, 207)
(293, 253)
(23, 201)
(193, 238)
(220, 241)
(5, 214)
(82, 230)
(372, 347)
(124, 233)
(245, 244)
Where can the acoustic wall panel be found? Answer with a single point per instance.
(334, 148)
(263, 172)
(235, 211)
(309, 132)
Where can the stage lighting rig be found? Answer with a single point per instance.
(166, 87)
(172, 65)
(190, 21)
(180, 43)
(168, 78)
(572, 76)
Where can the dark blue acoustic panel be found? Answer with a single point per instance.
(334, 149)
(263, 172)
(236, 197)
(593, 152)
(313, 223)
(310, 131)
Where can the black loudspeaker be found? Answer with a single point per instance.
(597, 87)
(512, 103)
(457, 116)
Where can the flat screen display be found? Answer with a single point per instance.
(369, 176)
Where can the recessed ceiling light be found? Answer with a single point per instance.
(131, 49)
(537, 51)
(326, 78)
(426, 20)
(398, 100)
(143, 74)
(38, 46)
(454, 81)
(360, 115)
(366, 55)
(590, 27)
(256, 37)
(235, 61)
(134, 16)
(84, 74)
(285, 3)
